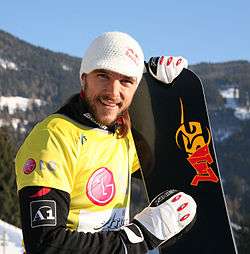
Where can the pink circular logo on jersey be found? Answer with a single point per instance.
(29, 166)
(101, 187)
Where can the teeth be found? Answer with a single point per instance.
(108, 102)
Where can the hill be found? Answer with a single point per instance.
(34, 72)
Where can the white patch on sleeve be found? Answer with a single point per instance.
(43, 213)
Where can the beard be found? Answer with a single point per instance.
(99, 107)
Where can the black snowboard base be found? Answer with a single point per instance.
(176, 151)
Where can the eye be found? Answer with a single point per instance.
(103, 76)
(127, 82)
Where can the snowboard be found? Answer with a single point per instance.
(174, 143)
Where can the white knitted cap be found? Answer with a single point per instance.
(114, 51)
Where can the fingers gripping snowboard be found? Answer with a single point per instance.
(175, 148)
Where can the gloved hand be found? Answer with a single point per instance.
(166, 68)
(164, 219)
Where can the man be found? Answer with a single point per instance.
(74, 168)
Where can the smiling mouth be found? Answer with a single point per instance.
(108, 103)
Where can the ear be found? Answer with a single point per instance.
(83, 80)
(83, 77)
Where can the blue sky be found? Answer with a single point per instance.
(201, 31)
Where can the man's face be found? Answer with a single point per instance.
(108, 94)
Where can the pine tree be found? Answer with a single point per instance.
(9, 208)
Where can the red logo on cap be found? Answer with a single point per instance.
(101, 187)
(29, 166)
(132, 55)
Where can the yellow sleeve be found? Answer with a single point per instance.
(46, 158)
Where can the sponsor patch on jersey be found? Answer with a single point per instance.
(43, 213)
(29, 166)
(50, 165)
(83, 139)
(101, 187)
(115, 221)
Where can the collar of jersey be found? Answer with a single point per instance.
(76, 109)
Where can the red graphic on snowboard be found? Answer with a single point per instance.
(101, 187)
(197, 148)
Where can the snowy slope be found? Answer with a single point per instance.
(5, 64)
(14, 102)
(242, 113)
(231, 95)
(10, 239)
(14, 122)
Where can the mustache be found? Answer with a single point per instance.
(111, 99)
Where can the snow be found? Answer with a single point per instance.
(10, 239)
(222, 134)
(232, 101)
(66, 67)
(230, 93)
(8, 65)
(14, 102)
(14, 122)
(236, 226)
(242, 113)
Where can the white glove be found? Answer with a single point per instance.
(167, 215)
(166, 68)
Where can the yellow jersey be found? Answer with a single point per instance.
(93, 165)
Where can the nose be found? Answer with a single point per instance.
(113, 88)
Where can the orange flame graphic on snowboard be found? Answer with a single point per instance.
(197, 149)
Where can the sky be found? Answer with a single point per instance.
(201, 31)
